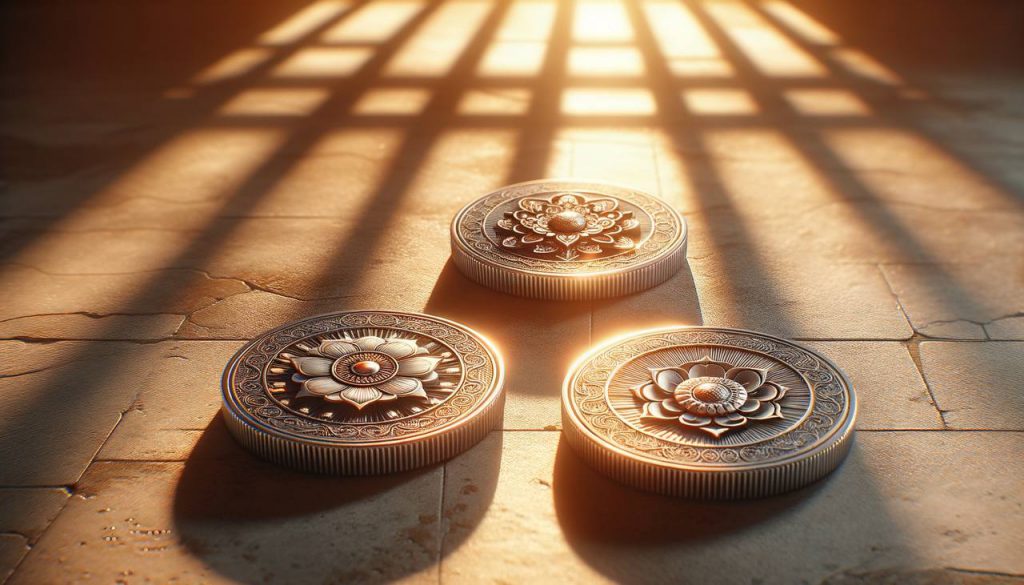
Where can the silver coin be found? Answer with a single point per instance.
(706, 412)
(363, 392)
(559, 239)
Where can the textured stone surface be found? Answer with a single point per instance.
(963, 301)
(850, 173)
(28, 511)
(976, 385)
(60, 411)
(166, 522)
(890, 391)
(174, 405)
(13, 548)
(877, 512)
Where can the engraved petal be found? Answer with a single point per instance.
(751, 405)
(336, 348)
(706, 367)
(532, 238)
(602, 239)
(649, 392)
(602, 205)
(369, 343)
(671, 406)
(398, 348)
(766, 411)
(312, 366)
(767, 391)
(401, 386)
(694, 420)
(564, 199)
(749, 378)
(417, 366)
(322, 386)
(359, 397)
(714, 430)
(567, 239)
(655, 410)
(624, 243)
(668, 378)
(731, 420)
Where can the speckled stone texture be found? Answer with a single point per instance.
(177, 177)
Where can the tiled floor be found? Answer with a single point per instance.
(180, 176)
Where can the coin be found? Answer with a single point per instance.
(363, 392)
(707, 412)
(559, 239)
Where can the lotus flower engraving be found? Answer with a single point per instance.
(568, 225)
(715, 397)
(364, 371)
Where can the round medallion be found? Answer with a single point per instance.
(363, 392)
(706, 412)
(559, 239)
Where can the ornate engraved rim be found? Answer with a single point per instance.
(773, 465)
(246, 398)
(676, 229)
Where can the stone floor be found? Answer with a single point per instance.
(179, 176)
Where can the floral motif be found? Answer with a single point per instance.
(569, 224)
(366, 370)
(714, 397)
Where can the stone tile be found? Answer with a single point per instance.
(976, 385)
(61, 409)
(806, 298)
(174, 405)
(890, 391)
(236, 519)
(28, 511)
(13, 547)
(673, 302)
(134, 305)
(962, 301)
(904, 502)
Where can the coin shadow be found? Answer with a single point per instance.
(533, 335)
(593, 509)
(247, 518)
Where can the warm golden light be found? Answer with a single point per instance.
(683, 42)
(861, 64)
(275, 102)
(373, 23)
(607, 102)
(769, 50)
(520, 43)
(392, 102)
(732, 102)
(235, 64)
(605, 62)
(432, 51)
(324, 62)
(826, 102)
(601, 21)
(303, 22)
(495, 102)
(801, 23)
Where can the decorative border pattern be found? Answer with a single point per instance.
(245, 389)
(472, 235)
(831, 407)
